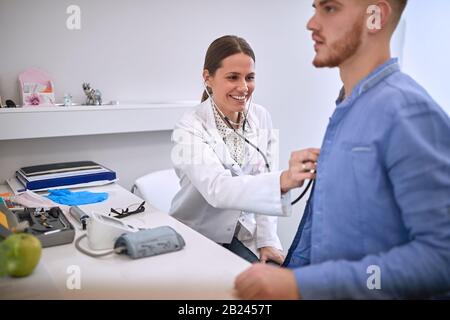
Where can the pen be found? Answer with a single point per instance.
(53, 231)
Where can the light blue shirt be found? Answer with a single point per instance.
(380, 207)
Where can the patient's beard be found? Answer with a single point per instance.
(342, 49)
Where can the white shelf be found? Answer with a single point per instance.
(45, 122)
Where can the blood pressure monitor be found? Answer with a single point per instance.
(103, 231)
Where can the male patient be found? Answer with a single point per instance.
(377, 224)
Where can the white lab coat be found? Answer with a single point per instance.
(216, 192)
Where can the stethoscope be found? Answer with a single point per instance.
(228, 123)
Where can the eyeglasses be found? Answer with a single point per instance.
(122, 213)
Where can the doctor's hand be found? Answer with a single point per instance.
(271, 254)
(263, 282)
(302, 166)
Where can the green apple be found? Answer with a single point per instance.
(20, 253)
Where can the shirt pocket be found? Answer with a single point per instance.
(365, 163)
(365, 177)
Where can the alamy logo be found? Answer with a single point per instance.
(73, 281)
(73, 22)
(374, 280)
(374, 21)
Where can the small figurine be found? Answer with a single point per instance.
(94, 97)
(67, 100)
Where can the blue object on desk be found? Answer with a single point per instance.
(44, 182)
(67, 197)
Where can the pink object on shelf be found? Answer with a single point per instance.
(36, 88)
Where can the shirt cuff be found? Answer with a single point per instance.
(286, 206)
(275, 243)
(286, 203)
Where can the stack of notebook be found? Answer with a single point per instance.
(67, 174)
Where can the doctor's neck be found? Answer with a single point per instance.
(233, 117)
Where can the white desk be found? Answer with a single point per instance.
(201, 270)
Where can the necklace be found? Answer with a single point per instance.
(239, 120)
(226, 118)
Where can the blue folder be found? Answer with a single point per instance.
(65, 181)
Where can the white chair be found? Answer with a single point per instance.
(158, 188)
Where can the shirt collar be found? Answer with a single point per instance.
(219, 120)
(375, 77)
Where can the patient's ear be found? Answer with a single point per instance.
(379, 16)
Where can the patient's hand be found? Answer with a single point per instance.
(262, 282)
(271, 254)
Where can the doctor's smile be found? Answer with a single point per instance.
(240, 98)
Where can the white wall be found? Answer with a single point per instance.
(130, 155)
(427, 47)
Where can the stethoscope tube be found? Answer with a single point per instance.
(249, 142)
(300, 197)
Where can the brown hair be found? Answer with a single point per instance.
(221, 49)
(398, 6)
(402, 5)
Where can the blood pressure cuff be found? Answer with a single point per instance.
(150, 242)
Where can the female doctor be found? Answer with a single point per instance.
(223, 154)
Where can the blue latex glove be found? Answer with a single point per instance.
(70, 198)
